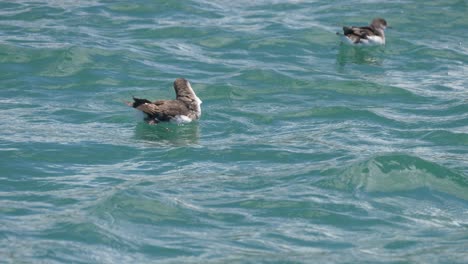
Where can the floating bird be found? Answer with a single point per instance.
(370, 35)
(185, 108)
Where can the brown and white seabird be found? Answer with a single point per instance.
(185, 108)
(368, 35)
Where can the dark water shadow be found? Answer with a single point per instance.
(373, 56)
(168, 133)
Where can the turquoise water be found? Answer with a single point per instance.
(307, 150)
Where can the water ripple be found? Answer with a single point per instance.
(307, 149)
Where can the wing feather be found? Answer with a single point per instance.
(361, 32)
(163, 110)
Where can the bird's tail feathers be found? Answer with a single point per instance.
(138, 101)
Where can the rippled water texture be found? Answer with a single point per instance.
(307, 150)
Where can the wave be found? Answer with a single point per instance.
(397, 173)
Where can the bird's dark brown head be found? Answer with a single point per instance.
(379, 23)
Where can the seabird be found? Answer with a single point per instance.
(369, 35)
(185, 108)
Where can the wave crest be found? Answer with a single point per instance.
(396, 173)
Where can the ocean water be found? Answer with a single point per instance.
(308, 151)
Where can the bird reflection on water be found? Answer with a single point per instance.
(168, 134)
(358, 55)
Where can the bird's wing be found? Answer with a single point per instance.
(159, 102)
(163, 110)
(362, 32)
(148, 108)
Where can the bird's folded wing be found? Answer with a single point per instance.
(148, 108)
(363, 32)
(164, 108)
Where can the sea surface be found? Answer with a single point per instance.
(307, 151)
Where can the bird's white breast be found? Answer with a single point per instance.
(181, 119)
(375, 40)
